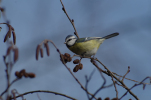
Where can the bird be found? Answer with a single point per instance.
(86, 47)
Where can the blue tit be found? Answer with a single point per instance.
(86, 47)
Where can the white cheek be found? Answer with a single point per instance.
(70, 43)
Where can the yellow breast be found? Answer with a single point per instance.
(87, 48)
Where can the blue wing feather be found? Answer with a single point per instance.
(87, 39)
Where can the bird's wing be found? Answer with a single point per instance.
(87, 39)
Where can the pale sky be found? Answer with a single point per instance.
(36, 20)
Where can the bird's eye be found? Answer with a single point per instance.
(69, 40)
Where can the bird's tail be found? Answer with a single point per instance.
(111, 35)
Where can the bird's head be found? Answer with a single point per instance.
(70, 40)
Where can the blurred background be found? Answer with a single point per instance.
(36, 20)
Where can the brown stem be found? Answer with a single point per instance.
(123, 85)
(9, 86)
(72, 21)
(56, 93)
(66, 65)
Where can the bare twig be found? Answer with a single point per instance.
(9, 86)
(92, 61)
(56, 93)
(123, 85)
(14, 92)
(114, 82)
(130, 79)
(7, 74)
(86, 86)
(141, 83)
(112, 72)
(72, 21)
(9, 64)
(3, 12)
(65, 64)
(126, 73)
(38, 96)
(87, 81)
(103, 85)
(100, 87)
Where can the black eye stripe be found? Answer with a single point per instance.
(70, 39)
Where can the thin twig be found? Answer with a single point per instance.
(8, 71)
(56, 93)
(118, 80)
(87, 81)
(65, 64)
(38, 96)
(115, 87)
(113, 72)
(126, 73)
(9, 86)
(141, 83)
(86, 87)
(14, 92)
(130, 79)
(103, 85)
(72, 21)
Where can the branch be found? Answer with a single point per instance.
(56, 93)
(87, 81)
(114, 82)
(130, 79)
(72, 21)
(141, 83)
(103, 85)
(9, 86)
(126, 73)
(9, 65)
(46, 41)
(38, 96)
(123, 85)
